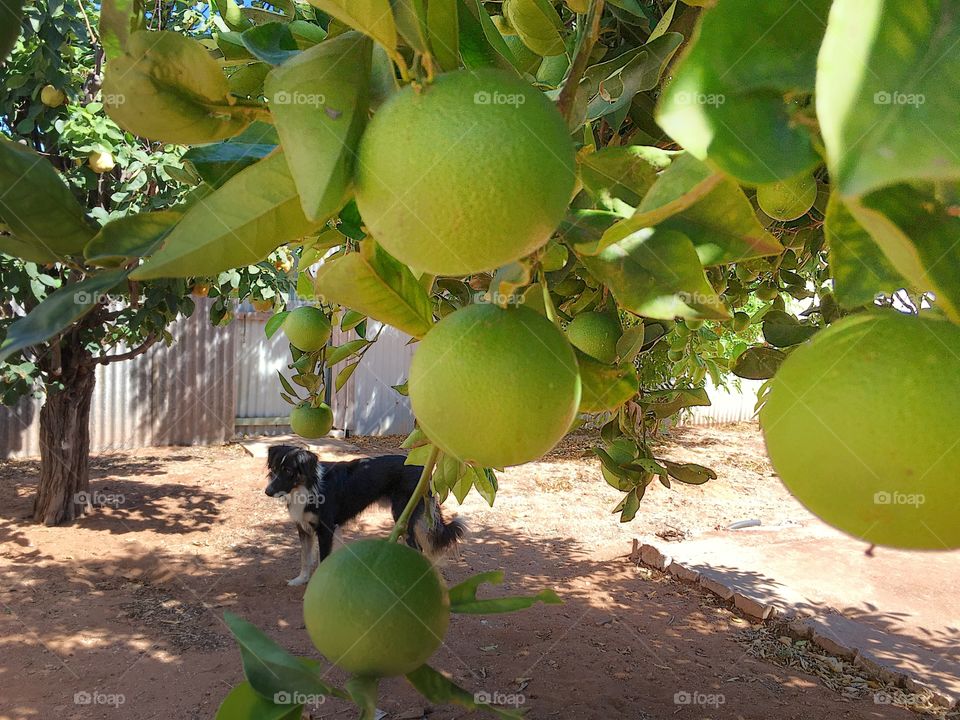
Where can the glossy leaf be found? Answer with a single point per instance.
(58, 311)
(656, 273)
(860, 269)
(255, 211)
(758, 363)
(375, 284)
(118, 18)
(273, 43)
(167, 87)
(481, 44)
(342, 352)
(243, 703)
(232, 15)
(604, 387)
(444, 32)
(320, 102)
(440, 690)
(726, 101)
(783, 330)
(689, 473)
(274, 323)
(37, 207)
(129, 237)
(538, 25)
(218, 162)
(625, 172)
(463, 597)
(371, 17)
(896, 120)
(363, 691)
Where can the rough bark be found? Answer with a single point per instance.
(65, 437)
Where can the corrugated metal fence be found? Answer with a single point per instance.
(215, 383)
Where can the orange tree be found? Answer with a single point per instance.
(580, 208)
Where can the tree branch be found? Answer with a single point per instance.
(587, 40)
(109, 359)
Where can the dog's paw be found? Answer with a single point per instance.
(299, 580)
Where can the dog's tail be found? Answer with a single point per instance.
(436, 535)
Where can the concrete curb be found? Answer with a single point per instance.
(799, 624)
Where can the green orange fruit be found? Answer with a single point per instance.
(861, 425)
(788, 199)
(495, 386)
(376, 608)
(466, 174)
(101, 162)
(307, 328)
(311, 422)
(52, 96)
(596, 334)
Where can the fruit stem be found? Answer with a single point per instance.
(418, 494)
(548, 307)
(587, 40)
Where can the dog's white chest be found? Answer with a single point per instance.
(297, 505)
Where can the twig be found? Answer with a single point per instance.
(582, 59)
(107, 359)
(418, 494)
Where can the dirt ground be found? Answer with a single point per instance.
(118, 616)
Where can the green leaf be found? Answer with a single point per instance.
(860, 269)
(920, 235)
(630, 343)
(690, 473)
(629, 506)
(374, 283)
(622, 172)
(440, 690)
(232, 15)
(243, 703)
(167, 87)
(604, 387)
(463, 597)
(443, 29)
(583, 230)
(118, 18)
(342, 352)
(363, 692)
(130, 237)
(417, 438)
(411, 19)
(783, 330)
(371, 17)
(727, 103)
(656, 273)
(274, 323)
(707, 207)
(218, 162)
(59, 310)
(896, 121)
(538, 25)
(270, 669)
(642, 72)
(255, 212)
(350, 319)
(758, 363)
(273, 43)
(37, 207)
(481, 44)
(344, 375)
(666, 403)
(319, 102)
(485, 481)
(11, 15)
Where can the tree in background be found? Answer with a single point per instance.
(90, 174)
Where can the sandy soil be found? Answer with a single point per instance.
(124, 607)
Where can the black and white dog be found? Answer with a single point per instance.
(321, 496)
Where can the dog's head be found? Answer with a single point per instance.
(289, 467)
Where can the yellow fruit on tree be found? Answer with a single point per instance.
(311, 422)
(861, 424)
(307, 328)
(101, 162)
(596, 334)
(788, 199)
(376, 608)
(52, 97)
(495, 386)
(466, 174)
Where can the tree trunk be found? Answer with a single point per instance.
(65, 437)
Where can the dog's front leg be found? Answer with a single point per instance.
(306, 556)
